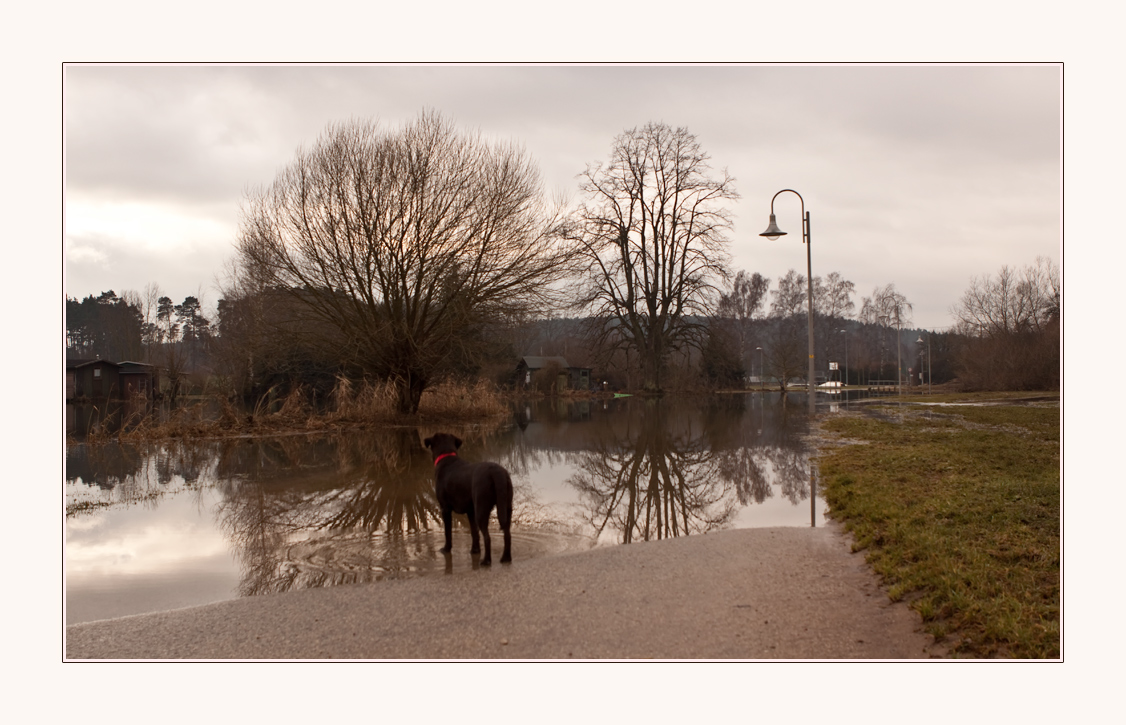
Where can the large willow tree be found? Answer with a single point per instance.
(404, 244)
(652, 235)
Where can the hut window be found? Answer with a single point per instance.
(97, 373)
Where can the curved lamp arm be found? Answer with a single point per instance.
(772, 231)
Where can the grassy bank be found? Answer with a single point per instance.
(958, 509)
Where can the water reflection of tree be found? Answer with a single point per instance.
(521, 457)
(138, 473)
(104, 466)
(676, 468)
(362, 500)
(764, 449)
(655, 479)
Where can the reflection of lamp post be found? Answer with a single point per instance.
(812, 497)
(761, 372)
(773, 232)
(920, 341)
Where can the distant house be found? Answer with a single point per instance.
(106, 379)
(569, 377)
(137, 379)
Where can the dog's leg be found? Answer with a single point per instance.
(483, 525)
(504, 514)
(447, 524)
(504, 518)
(474, 530)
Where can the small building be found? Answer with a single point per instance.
(92, 379)
(109, 380)
(137, 379)
(569, 377)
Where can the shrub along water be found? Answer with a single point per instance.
(958, 509)
(351, 405)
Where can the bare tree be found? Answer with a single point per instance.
(745, 301)
(833, 298)
(786, 349)
(1011, 324)
(832, 304)
(787, 345)
(652, 235)
(149, 301)
(405, 243)
(885, 308)
(1016, 301)
(743, 304)
(789, 296)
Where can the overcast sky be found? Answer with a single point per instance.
(917, 176)
(921, 176)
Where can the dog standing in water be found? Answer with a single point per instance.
(473, 489)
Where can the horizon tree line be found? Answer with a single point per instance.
(423, 253)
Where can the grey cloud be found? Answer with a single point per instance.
(897, 164)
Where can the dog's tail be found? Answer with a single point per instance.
(504, 501)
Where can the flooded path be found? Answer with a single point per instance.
(157, 527)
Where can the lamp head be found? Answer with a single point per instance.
(772, 231)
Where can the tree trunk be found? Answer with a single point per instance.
(652, 360)
(651, 374)
(410, 390)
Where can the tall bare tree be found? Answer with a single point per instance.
(652, 236)
(405, 243)
(741, 305)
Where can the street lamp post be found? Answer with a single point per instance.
(761, 372)
(845, 333)
(920, 341)
(773, 232)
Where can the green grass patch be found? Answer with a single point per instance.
(958, 509)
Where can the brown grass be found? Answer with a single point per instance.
(461, 401)
(353, 405)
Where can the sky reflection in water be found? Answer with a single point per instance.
(179, 524)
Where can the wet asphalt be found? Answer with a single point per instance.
(751, 594)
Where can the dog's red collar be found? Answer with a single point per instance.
(444, 455)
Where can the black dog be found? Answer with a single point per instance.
(472, 489)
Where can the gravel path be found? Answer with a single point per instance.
(795, 593)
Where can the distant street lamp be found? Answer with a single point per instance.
(920, 341)
(845, 333)
(773, 232)
(761, 372)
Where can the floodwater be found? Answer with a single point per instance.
(162, 526)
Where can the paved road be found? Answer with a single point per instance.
(748, 594)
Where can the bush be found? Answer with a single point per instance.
(1021, 361)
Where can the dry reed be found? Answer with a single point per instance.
(460, 401)
(352, 405)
